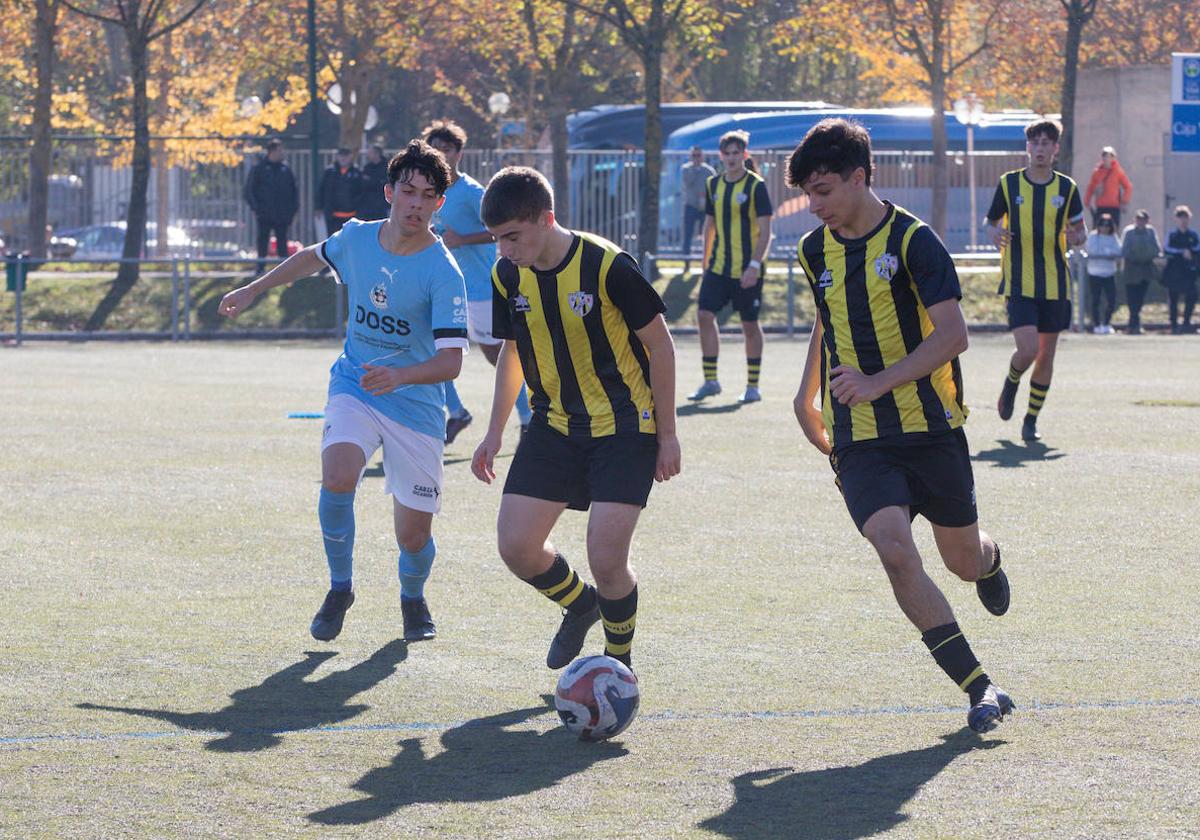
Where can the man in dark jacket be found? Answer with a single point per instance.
(373, 205)
(340, 191)
(272, 196)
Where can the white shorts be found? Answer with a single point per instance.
(479, 322)
(412, 462)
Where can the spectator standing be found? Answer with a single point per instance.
(340, 191)
(1110, 190)
(1183, 260)
(694, 177)
(1103, 250)
(273, 198)
(1139, 249)
(373, 204)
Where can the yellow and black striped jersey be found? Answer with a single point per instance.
(574, 325)
(736, 207)
(1034, 265)
(872, 297)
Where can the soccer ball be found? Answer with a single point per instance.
(597, 697)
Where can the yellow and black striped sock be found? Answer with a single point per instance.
(562, 585)
(753, 366)
(1014, 375)
(1037, 397)
(953, 655)
(710, 368)
(620, 618)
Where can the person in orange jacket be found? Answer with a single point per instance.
(1109, 191)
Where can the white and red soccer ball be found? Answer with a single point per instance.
(597, 697)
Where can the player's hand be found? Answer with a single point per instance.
(483, 461)
(1077, 237)
(812, 423)
(670, 458)
(749, 277)
(237, 301)
(452, 239)
(851, 387)
(379, 380)
(1000, 237)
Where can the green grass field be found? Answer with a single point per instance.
(161, 559)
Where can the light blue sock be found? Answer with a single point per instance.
(523, 410)
(336, 512)
(414, 570)
(453, 403)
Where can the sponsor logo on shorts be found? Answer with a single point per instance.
(645, 414)
(325, 433)
(580, 303)
(426, 491)
(521, 304)
(886, 266)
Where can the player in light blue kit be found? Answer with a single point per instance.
(406, 336)
(459, 226)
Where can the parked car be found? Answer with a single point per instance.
(106, 241)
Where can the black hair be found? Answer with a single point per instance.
(1050, 128)
(1106, 219)
(273, 144)
(833, 145)
(445, 131)
(420, 159)
(516, 194)
(738, 136)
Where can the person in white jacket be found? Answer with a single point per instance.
(1103, 253)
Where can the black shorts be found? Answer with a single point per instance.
(927, 472)
(717, 290)
(615, 468)
(1049, 316)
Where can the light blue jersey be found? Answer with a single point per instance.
(402, 310)
(460, 213)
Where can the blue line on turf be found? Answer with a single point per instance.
(418, 726)
(305, 415)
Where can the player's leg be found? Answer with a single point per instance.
(890, 532)
(1135, 294)
(1110, 297)
(749, 303)
(1189, 306)
(412, 467)
(714, 294)
(610, 531)
(1024, 332)
(974, 556)
(417, 552)
(349, 440)
(1039, 383)
(263, 242)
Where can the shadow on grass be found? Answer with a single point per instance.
(1015, 455)
(695, 408)
(483, 761)
(840, 803)
(283, 702)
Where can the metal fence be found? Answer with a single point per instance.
(90, 187)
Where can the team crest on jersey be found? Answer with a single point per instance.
(741, 198)
(379, 296)
(1058, 201)
(825, 281)
(521, 304)
(886, 266)
(580, 303)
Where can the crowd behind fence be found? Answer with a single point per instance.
(203, 200)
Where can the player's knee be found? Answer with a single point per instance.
(516, 550)
(706, 318)
(336, 481)
(412, 539)
(899, 557)
(963, 562)
(610, 573)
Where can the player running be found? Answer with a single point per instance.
(406, 336)
(884, 358)
(585, 330)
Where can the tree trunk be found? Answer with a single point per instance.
(937, 98)
(1077, 17)
(45, 32)
(162, 173)
(652, 87)
(562, 177)
(135, 218)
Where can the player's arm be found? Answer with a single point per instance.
(710, 233)
(458, 240)
(509, 376)
(303, 263)
(999, 235)
(446, 364)
(656, 338)
(1077, 232)
(948, 339)
(761, 244)
(811, 421)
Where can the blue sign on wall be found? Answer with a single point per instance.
(1185, 128)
